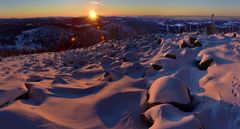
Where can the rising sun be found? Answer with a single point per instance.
(92, 15)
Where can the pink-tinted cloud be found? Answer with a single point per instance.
(96, 3)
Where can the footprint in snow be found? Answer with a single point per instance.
(236, 87)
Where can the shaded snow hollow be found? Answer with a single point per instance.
(178, 83)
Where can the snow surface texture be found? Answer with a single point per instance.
(138, 84)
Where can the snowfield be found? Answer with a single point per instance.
(174, 81)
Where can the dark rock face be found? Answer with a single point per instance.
(159, 41)
(192, 40)
(156, 67)
(34, 79)
(148, 121)
(59, 80)
(171, 56)
(112, 75)
(234, 35)
(197, 44)
(182, 44)
(107, 76)
(205, 63)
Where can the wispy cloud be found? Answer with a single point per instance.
(96, 3)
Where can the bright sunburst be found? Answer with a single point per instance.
(92, 15)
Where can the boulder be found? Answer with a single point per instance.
(234, 35)
(130, 57)
(136, 70)
(171, 56)
(167, 47)
(182, 44)
(60, 79)
(156, 66)
(189, 41)
(165, 63)
(159, 41)
(34, 78)
(10, 90)
(192, 39)
(36, 95)
(197, 44)
(112, 75)
(205, 62)
(106, 61)
(169, 89)
(166, 116)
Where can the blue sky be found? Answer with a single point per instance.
(39, 8)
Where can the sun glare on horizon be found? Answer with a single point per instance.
(92, 15)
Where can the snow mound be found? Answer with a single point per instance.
(130, 57)
(136, 70)
(166, 116)
(113, 75)
(168, 90)
(11, 90)
(35, 78)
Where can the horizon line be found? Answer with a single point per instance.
(233, 16)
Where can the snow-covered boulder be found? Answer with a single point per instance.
(10, 90)
(168, 89)
(112, 75)
(37, 95)
(136, 70)
(34, 78)
(61, 79)
(172, 53)
(130, 57)
(165, 63)
(189, 41)
(166, 116)
(106, 61)
(167, 46)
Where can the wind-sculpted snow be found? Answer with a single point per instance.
(183, 81)
(166, 116)
(168, 90)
